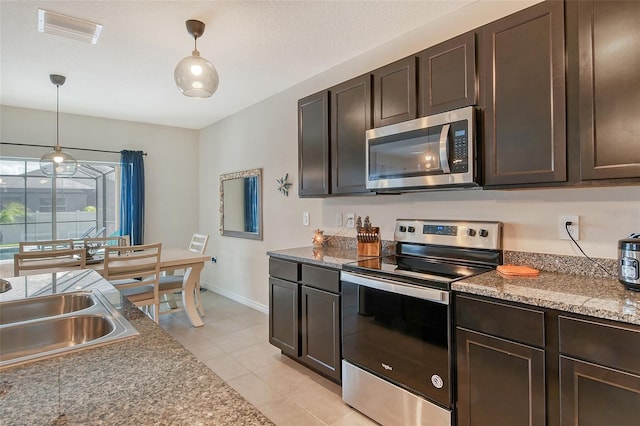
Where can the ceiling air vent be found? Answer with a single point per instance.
(68, 26)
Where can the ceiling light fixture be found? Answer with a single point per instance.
(194, 75)
(68, 26)
(58, 163)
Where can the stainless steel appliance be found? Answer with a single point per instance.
(397, 335)
(437, 151)
(629, 262)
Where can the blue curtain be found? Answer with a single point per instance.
(251, 204)
(132, 196)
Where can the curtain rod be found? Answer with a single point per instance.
(65, 147)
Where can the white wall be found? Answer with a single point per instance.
(265, 135)
(171, 166)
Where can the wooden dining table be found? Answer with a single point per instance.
(170, 259)
(179, 258)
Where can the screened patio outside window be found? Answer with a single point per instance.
(85, 204)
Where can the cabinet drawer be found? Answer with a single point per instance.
(322, 278)
(498, 319)
(615, 346)
(284, 269)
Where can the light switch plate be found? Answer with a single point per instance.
(351, 220)
(305, 218)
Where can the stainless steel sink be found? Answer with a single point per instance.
(41, 327)
(29, 338)
(46, 306)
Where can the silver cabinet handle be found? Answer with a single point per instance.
(444, 149)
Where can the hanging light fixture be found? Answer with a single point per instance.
(194, 75)
(57, 162)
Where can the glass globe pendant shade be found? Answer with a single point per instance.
(58, 163)
(196, 77)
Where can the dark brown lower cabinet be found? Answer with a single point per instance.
(525, 365)
(284, 316)
(599, 372)
(499, 382)
(594, 395)
(304, 315)
(321, 331)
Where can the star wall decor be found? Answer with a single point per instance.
(284, 185)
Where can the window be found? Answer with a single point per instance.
(85, 204)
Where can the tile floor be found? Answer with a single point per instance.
(234, 343)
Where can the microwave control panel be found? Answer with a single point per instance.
(460, 151)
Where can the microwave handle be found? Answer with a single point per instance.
(444, 149)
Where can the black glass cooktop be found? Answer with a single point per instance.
(416, 270)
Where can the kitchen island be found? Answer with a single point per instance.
(146, 379)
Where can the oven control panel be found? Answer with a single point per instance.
(471, 234)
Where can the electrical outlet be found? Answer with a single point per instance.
(351, 220)
(305, 218)
(338, 219)
(574, 228)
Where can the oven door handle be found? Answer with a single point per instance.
(424, 293)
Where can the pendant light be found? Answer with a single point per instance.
(57, 162)
(194, 75)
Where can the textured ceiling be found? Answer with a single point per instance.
(259, 48)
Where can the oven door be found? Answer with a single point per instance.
(430, 151)
(398, 332)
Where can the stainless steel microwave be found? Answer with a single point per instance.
(437, 151)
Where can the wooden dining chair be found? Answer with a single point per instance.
(29, 246)
(171, 283)
(135, 272)
(39, 261)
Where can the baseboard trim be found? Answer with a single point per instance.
(236, 297)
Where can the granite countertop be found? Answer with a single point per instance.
(597, 297)
(147, 379)
(327, 256)
(587, 295)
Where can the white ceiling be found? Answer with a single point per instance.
(259, 48)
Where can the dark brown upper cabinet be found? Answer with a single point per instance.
(448, 75)
(500, 363)
(609, 89)
(313, 145)
(350, 119)
(523, 90)
(394, 92)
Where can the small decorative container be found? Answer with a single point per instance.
(318, 238)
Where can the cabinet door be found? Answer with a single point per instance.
(448, 75)
(499, 382)
(524, 97)
(593, 395)
(609, 86)
(350, 119)
(321, 331)
(284, 316)
(313, 145)
(394, 92)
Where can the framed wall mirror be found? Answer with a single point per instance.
(241, 204)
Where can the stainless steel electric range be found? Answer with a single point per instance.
(397, 319)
